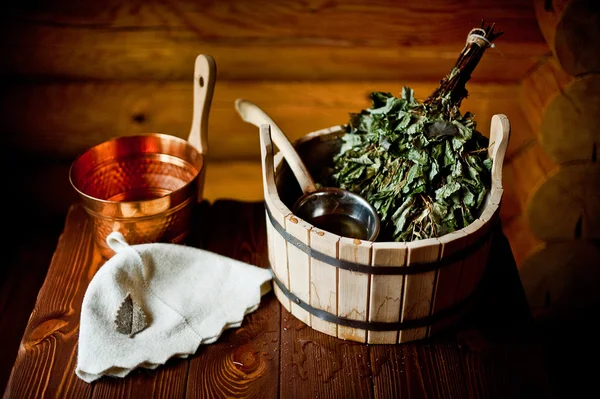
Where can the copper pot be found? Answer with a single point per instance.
(146, 186)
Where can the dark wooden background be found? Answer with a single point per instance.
(77, 73)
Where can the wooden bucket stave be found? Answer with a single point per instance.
(373, 292)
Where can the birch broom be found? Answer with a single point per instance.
(422, 165)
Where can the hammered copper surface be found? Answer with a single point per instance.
(143, 186)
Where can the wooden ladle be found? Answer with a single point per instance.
(333, 209)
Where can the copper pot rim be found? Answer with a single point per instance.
(165, 136)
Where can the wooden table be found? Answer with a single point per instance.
(494, 354)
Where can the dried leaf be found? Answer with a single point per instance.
(130, 318)
(441, 128)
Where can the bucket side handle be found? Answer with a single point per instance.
(499, 137)
(205, 74)
(268, 170)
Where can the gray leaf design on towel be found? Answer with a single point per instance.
(130, 318)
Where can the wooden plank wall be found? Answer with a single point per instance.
(262, 39)
(77, 73)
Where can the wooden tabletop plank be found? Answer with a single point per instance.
(427, 368)
(22, 274)
(316, 365)
(45, 364)
(441, 367)
(244, 362)
(393, 373)
(167, 381)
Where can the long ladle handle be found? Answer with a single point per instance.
(251, 113)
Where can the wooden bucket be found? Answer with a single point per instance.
(374, 292)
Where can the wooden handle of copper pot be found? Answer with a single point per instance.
(251, 113)
(205, 75)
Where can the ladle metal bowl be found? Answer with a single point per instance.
(332, 209)
(339, 211)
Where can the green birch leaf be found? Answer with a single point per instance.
(415, 171)
(379, 98)
(401, 215)
(363, 160)
(468, 197)
(440, 210)
(404, 119)
(458, 143)
(419, 187)
(480, 197)
(437, 150)
(419, 157)
(390, 104)
(355, 172)
(465, 132)
(434, 170)
(447, 190)
(416, 127)
(350, 141)
(449, 155)
(488, 164)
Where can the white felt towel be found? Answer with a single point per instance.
(151, 302)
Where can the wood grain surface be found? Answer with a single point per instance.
(298, 264)
(244, 362)
(419, 288)
(385, 303)
(324, 280)
(62, 120)
(353, 287)
(266, 39)
(273, 354)
(49, 343)
(24, 268)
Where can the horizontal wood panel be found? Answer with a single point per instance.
(265, 39)
(69, 53)
(389, 20)
(60, 121)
